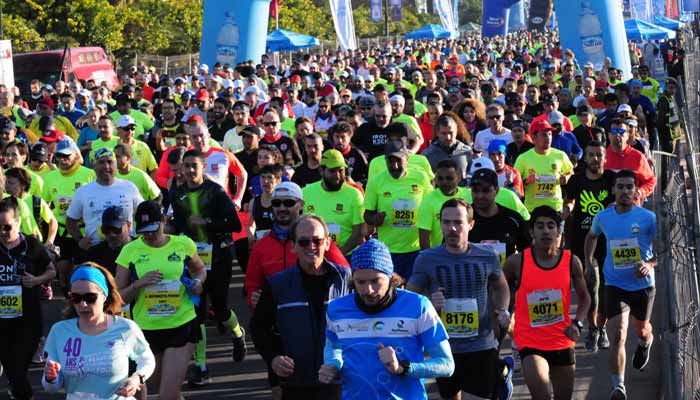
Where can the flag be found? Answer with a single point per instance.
(375, 10)
(344, 24)
(274, 8)
(396, 10)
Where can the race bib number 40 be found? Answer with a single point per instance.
(626, 253)
(461, 318)
(546, 186)
(10, 301)
(545, 307)
(404, 213)
(162, 299)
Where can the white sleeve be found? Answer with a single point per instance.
(75, 210)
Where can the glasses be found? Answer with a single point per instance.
(616, 131)
(271, 123)
(129, 128)
(287, 203)
(306, 242)
(497, 116)
(77, 298)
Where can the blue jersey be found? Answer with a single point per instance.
(410, 325)
(629, 239)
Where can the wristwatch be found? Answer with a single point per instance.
(406, 365)
(577, 324)
(142, 378)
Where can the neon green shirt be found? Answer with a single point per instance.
(400, 199)
(545, 191)
(506, 198)
(59, 190)
(45, 213)
(165, 305)
(37, 182)
(415, 161)
(341, 210)
(429, 212)
(148, 189)
(42, 172)
(102, 144)
(25, 217)
(143, 121)
(419, 109)
(142, 158)
(410, 122)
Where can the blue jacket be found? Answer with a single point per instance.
(301, 329)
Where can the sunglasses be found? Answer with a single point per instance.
(77, 298)
(306, 242)
(129, 128)
(497, 116)
(273, 123)
(287, 203)
(616, 131)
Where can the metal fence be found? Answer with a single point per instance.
(678, 211)
(178, 65)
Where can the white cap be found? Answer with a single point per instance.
(250, 89)
(217, 78)
(288, 189)
(227, 83)
(397, 98)
(85, 93)
(481, 162)
(204, 67)
(125, 120)
(624, 108)
(238, 84)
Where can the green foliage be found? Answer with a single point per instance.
(22, 34)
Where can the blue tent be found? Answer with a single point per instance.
(667, 23)
(281, 40)
(639, 30)
(431, 31)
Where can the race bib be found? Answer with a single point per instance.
(545, 307)
(162, 299)
(404, 213)
(461, 318)
(10, 301)
(499, 247)
(334, 231)
(205, 253)
(63, 202)
(545, 186)
(126, 311)
(625, 252)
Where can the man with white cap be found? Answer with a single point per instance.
(398, 103)
(84, 100)
(142, 157)
(376, 338)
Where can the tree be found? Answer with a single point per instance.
(22, 34)
(305, 17)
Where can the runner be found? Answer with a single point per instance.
(143, 182)
(376, 338)
(43, 220)
(202, 211)
(544, 332)
(588, 193)
(467, 311)
(24, 266)
(89, 353)
(260, 219)
(162, 274)
(630, 233)
(142, 158)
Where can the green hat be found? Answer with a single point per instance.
(333, 159)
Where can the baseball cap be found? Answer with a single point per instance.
(52, 136)
(85, 93)
(541, 125)
(204, 67)
(395, 148)
(484, 176)
(345, 92)
(295, 79)
(584, 109)
(46, 101)
(333, 159)
(624, 108)
(179, 80)
(148, 217)
(251, 130)
(6, 125)
(372, 254)
(480, 163)
(125, 120)
(104, 152)
(201, 95)
(397, 98)
(497, 146)
(367, 101)
(65, 147)
(287, 189)
(193, 119)
(549, 98)
(39, 152)
(555, 117)
(512, 98)
(114, 217)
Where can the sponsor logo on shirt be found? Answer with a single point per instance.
(400, 328)
(635, 229)
(339, 207)
(387, 194)
(360, 327)
(174, 257)
(378, 326)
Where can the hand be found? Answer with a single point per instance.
(379, 218)
(85, 243)
(387, 355)
(197, 221)
(438, 299)
(29, 280)
(237, 204)
(530, 179)
(150, 278)
(563, 179)
(129, 387)
(198, 287)
(572, 332)
(503, 317)
(51, 371)
(255, 297)
(591, 265)
(283, 366)
(327, 373)
(643, 269)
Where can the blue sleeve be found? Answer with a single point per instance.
(333, 354)
(596, 229)
(431, 331)
(439, 365)
(576, 149)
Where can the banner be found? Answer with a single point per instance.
(593, 30)
(344, 24)
(540, 13)
(445, 9)
(495, 18)
(233, 32)
(690, 6)
(7, 71)
(421, 6)
(375, 10)
(455, 11)
(516, 17)
(274, 8)
(395, 8)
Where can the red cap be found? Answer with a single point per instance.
(541, 125)
(601, 84)
(345, 91)
(194, 119)
(52, 136)
(46, 101)
(295, 79)
(201, 95)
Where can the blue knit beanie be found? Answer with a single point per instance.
(372, 254)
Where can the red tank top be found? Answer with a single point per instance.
(542, 304)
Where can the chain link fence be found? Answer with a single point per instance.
(678, 211)
(177, 65)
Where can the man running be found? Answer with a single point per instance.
(630, 233)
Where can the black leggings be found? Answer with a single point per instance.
(19, 338)
(216, 285)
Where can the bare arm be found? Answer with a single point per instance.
(354, 239)
(424, 238)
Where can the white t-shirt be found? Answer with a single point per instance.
(484, 138)
(90, 201)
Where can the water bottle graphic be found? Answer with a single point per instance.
(591, 35)
(227, 41)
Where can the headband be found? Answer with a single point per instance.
(91, 274)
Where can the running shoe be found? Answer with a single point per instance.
(592, 340)
(603, 341)
(505, 392)
(239, 347)
(197, 377)
(641, 357)
(619, 392)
